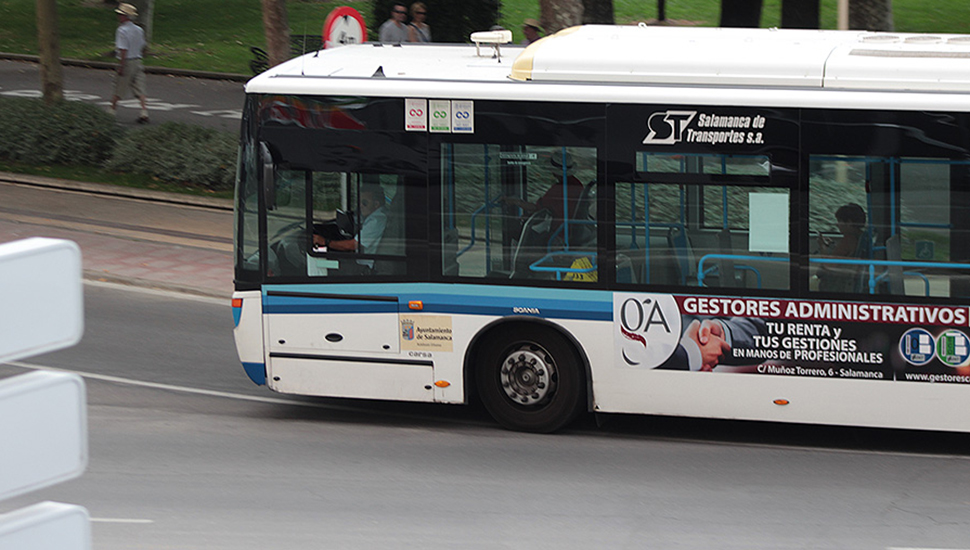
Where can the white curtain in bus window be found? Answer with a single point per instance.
(519, 212)
(769, 222)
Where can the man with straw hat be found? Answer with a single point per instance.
(531, 29)
(130, 45)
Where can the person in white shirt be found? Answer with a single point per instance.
(373, 216)
(130, 46)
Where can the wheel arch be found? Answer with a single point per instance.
(468, 363)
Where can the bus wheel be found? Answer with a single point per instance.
(530, 379)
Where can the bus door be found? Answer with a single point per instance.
(342, 213)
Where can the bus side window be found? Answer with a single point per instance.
(888, 226)
(702, 235)
(519, 212)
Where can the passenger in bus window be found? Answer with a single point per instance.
(854, 243)
(552, 199)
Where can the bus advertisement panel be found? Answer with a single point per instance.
(775, 337)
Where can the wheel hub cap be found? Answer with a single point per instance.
(528, 376)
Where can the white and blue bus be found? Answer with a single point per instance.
(724, 223)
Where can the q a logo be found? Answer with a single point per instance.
(636, 320)
(667, 127)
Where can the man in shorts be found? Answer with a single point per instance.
(130, 45)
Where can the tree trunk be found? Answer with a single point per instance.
(740, 13)
(871, 15)
(598, 12)
(49, 42)
(148, 20)
(276, 27)
(560, 14)
(800, 14)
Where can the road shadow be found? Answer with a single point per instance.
(644, 427)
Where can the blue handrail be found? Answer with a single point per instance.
(701, 272)
(926, 282)
(486, 206)
(886, 263)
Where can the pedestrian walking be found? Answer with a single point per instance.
(419, 30)
(532, 31)
(129, 47)
(394, 31)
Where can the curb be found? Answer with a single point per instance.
(93, 275)
(117, 191)
(235, 77)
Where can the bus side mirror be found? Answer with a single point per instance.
(268, 181)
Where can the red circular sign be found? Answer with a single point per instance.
(344, 25)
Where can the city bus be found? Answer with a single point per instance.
(755, 224)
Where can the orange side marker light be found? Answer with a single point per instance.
(442, 383)
(416, 305)
(237, 302)
(780, 401)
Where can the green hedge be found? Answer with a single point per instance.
(73, 133)
(68, 132)
(178, 153)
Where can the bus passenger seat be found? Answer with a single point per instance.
(894, 254)
(680, 244)
(624, 270)
(532, 244)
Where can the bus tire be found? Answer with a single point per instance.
(530, 378)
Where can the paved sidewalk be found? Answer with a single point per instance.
(126, 239)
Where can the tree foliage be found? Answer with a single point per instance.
(450, 20)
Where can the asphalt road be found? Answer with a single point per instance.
(204, 102)
(187, 454)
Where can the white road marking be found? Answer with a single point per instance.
(121, 520)
(152, 103)
(223, 113)
(169, 387)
